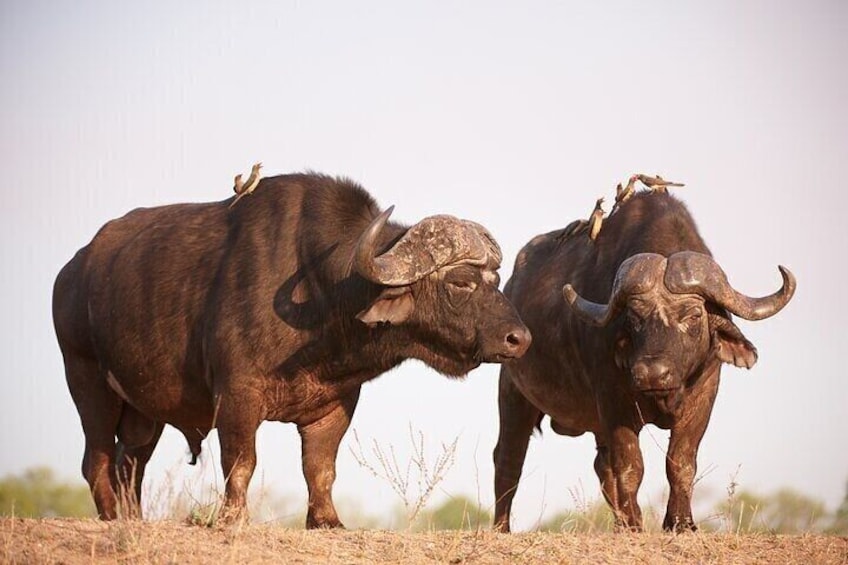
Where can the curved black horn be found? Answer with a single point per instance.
(690, 272)
(637, 274)
(364, 260)
(590, 312)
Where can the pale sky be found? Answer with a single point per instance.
(516, 115)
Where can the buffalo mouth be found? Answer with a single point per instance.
(658, 392)
(666, 399)
(458, 363)
(502, 356)
(499, 358)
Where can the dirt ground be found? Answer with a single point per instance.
(90, 541)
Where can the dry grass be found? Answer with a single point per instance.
(131, 541)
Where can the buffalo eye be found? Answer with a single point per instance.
(638, 311)
(464, 286)
(691, 319)
(693, 315)
(459, 291)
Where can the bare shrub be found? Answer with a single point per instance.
(415, 482)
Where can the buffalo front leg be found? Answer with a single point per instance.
(319, 447)
(517, 418)
(603, 470)
(625, 459)
(237, 436)
(681, 464)
(680, 467)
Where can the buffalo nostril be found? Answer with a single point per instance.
(640, 374)
(516, 342)
(660, 374)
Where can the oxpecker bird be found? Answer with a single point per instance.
(657, 184)
(238, 184)
(596, 219)
(250, 185)
(572, 229)
(623, 194)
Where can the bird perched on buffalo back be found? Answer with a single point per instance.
(623, 194)
(596, 219)
(657, 184)
(243, 189)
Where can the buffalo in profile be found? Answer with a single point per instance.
(640, 339)
(200, 316)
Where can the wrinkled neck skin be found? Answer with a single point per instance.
(343, 350)
(368, 352)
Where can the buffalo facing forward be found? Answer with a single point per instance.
(201, 316)
(640, 339)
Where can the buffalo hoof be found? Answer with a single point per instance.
(501, 527)
(679, 525)
(622, 527)
(315, 524)
(232, 516)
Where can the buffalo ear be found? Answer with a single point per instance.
(730, 343)
(393, 306)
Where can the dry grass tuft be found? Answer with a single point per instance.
(132, 541)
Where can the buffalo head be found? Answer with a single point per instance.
(440, 283)
(674, 314)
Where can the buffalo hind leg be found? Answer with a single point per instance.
(137, 438)
(99, 410)
(517, 419)
(319, 447)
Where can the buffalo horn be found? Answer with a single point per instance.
(586, 310)
(696, 273)
(426, 247)
(364, 261)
